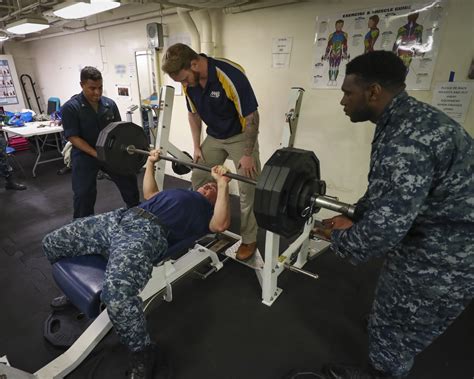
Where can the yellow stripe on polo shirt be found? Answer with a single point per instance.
(190, 102)
(231, 93)
(236, 65)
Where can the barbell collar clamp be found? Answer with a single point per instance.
(334, 205)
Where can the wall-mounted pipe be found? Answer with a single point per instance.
(188, 22)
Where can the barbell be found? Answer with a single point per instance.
(288, 191)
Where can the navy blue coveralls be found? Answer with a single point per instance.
(81, 120)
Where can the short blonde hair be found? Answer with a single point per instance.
(178, 57)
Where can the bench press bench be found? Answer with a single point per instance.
(81, 278)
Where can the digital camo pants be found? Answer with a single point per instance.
(412, 307)
(132, 245)
(5, 169)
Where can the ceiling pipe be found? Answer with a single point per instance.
(254, 6)
(188, 22)
(207, 44)
(26, 9)
(106, 24)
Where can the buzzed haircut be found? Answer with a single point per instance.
(382, 67)
(90, 73)
(178, 57)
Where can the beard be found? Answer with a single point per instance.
(196, 78)
(360, 115)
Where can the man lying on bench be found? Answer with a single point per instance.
(133, 241)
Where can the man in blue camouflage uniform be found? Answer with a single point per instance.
(6, 170)
(418, 212)
(133, 241)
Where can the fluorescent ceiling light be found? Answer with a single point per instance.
(81, 9)
(3, 36)
(28, 25)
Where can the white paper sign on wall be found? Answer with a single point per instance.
(453, 98)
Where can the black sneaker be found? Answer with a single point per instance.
(150, 363)
(10, 185)
(63, 171)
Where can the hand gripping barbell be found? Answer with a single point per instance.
(288, 191)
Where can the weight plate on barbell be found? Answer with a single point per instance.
(112, 143)
(277, 193)
(182, 169)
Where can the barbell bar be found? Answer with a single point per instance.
(288, 192)
(319, 201)
(130, 149)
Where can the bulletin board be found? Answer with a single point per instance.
(8, 93)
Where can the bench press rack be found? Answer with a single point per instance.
(268, 269)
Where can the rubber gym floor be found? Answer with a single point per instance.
(213, 329)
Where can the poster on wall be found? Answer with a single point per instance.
(8, 94)
(412, 31)
(124, 91)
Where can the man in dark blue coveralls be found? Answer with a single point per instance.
(133, 241)
(417, 212)
(83, 117)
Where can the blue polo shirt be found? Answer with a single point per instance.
(183, 212)
(81, 120)
(225, 101)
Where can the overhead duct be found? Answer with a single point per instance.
(207, 44)
(188, 22)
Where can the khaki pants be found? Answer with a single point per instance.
(215, 152)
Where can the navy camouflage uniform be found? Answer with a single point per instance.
(132, 241)
(5, 169)
(418, 212)
(81, 120)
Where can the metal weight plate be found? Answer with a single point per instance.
(181, 169)
(294, 196)
(112, 143)
(268, 194)
(279, 188)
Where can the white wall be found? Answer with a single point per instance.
(342, 147)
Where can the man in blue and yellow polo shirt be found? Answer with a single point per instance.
(218, 93)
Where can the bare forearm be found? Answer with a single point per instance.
(221, 218)
(82, 145)
(150, 187)
(196, 124)
(251, 132)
